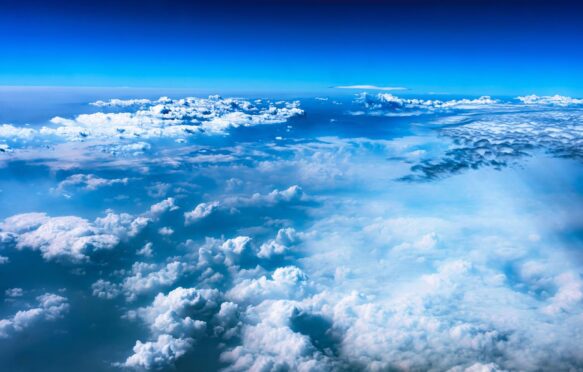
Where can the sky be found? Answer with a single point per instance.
(452, 47)
(291, 186)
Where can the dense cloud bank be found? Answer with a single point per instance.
(388, 104)
(164, 117)
(295, 252)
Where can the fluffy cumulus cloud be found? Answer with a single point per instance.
(69, 238)
(201, 211)
(161, 118)
(75, 239)
(159, 354)
(165, 206)
(176, 321)
(190, 316)
(307, 254)
(12, 132)
(146, 277)
(49, 308)
(143, 278)
(269, 342)
(285, 282)
(285, 243)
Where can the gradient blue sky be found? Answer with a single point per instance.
(465, 47)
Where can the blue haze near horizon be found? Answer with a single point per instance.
(477, 47)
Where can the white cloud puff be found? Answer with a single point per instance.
(158, 354)
(268, 343)
(285, 282)
(50, 307)
(70, 238)
(284, 243)
(201, 211)
(9, 131)
(179, 312)
(165, 206)
(148, 277)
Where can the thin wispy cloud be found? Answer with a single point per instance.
(369, 87)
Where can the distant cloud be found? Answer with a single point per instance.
(369, 87)
(89, 182)
(504, 140)
(556, 100)
(164, 117)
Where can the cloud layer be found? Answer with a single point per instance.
(297, 247)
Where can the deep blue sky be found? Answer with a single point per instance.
(475, 47)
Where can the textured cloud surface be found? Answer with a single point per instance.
(164, 117)
(295, 246)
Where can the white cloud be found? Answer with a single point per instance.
(555, 100)
(200, 212)
(50, 307)
(9, 131)
(368, 87)
(388, 104)
(269, 343)
(165, 206)
(174, 321)
(157, 354)
(14, 292)
(236, 245)
(146, 250)
(179, 312)
(89, 182)
(105, 289)
(146, 278)
(293, 194)
(218, 258)
(285, 242)
(501, 140)
(165, 231)
(130, 102)
(160, 118)
(286, 282)
(70, 238)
